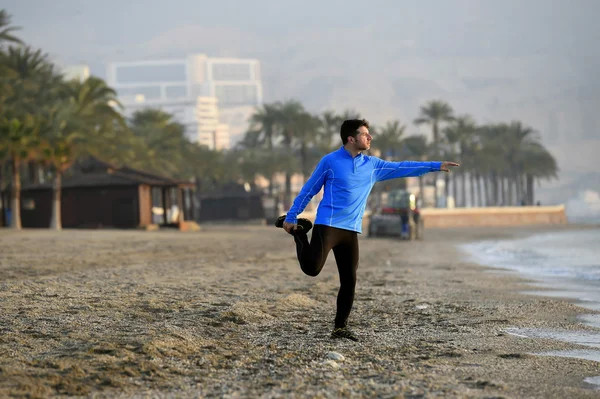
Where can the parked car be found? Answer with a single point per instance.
(399, 216)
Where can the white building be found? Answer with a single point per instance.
(175, 85)
(211, 132)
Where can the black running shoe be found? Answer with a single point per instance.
(304, 225)
(344, 332)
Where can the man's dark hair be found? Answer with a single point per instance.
(350, 128)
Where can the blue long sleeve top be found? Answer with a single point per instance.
(348, 181)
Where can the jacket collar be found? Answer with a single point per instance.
(345, 152)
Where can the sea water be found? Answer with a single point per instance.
(567, 265)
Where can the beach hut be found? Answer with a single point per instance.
(96, 194)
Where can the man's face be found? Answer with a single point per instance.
(362, 141)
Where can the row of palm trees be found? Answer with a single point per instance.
(502, 158)
(47, 123)
(499, 162)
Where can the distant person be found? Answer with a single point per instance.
(348, 176)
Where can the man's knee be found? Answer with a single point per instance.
(311, 272)
(311, 269)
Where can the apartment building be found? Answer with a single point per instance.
(184, 86)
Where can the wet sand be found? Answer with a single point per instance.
(226, 312)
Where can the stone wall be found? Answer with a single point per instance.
(494, 216)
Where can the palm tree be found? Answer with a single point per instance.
(416, 148)
(489, 157)
(515, 137)
(388, 140)
(329, 134)
(6, 30)
(263, 122)
(76, 122)
(19, 141)
(460, 137)
(30, 81)
(294, 123)
(434, 113)
(306, 137)
(60, 150)
(263, 131)
(349, 114)
(163, 137)
(535, 162)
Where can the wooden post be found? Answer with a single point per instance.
(180, 204)
(164, 204)
(192, 203)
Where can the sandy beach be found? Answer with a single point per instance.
(226, 312)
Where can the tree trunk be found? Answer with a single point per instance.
(421, 192)
(2, 205)
(435, 194)
(15, 193)
(530, 197)
(287, 199)
(486, 190)
(164, 205)
(519, 190)
(446, 187)
(472, 188)
(463, 200)
(509, 183)
(56, 221)
(270, 185)
(478, 189)
(304, 163)
(455, 189)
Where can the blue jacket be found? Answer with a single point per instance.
(348, 182)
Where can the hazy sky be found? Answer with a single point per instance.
(92, 31)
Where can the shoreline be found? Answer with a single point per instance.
(226, 312)
(580, 292)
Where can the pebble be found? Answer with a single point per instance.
(332, 364)
(338, 357)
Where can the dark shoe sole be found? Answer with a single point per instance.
(351, 337)
(304, 225)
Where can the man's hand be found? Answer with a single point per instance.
(289, 227)
(444, 166)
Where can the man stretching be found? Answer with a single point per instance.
(348, 176)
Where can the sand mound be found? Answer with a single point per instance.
(295, 301)
(245, 312)
(174, 346)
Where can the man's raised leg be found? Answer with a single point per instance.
(312, 255)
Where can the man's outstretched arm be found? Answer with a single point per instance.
(385, 170)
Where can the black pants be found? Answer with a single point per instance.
(312, 257)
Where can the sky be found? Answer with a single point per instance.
(532, 60)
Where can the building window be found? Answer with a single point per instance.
(237, 94)
(227, 71)
(176, 92)
(151, 73)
